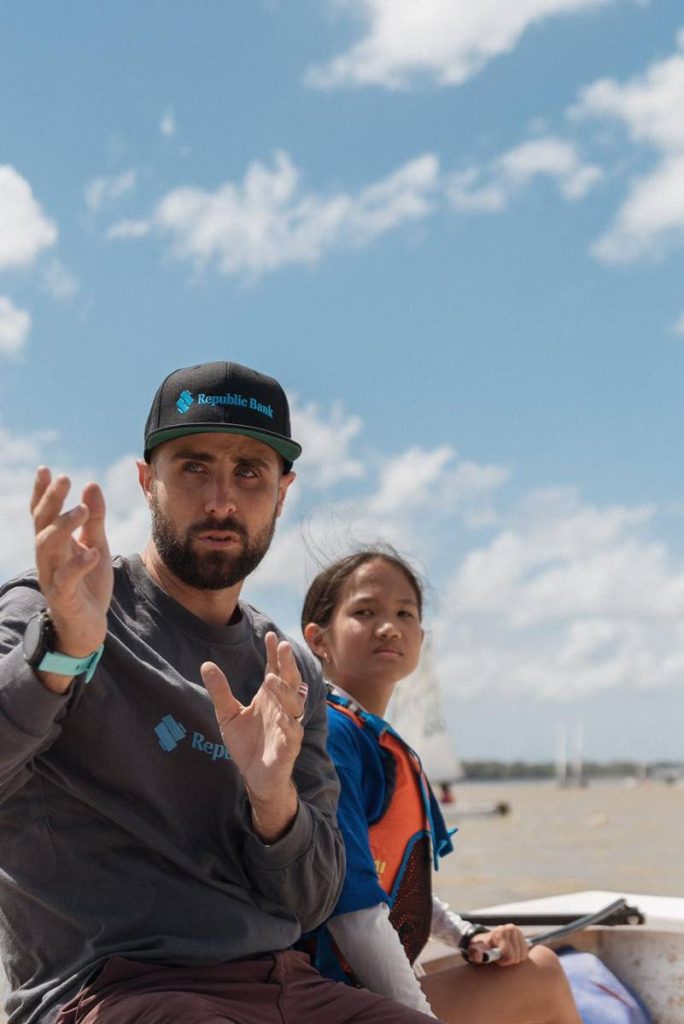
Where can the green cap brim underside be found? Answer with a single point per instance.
(289, 450)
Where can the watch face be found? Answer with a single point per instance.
(37, 638)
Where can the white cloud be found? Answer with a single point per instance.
(267, 221)
(326, 458)
(128, 521)
(19, 456)
(491, 188)
(416, 500)
(448, 41)
(467, 192)
(405, 481)
(568, 599)
(103, 191)
(679, 325)
(24, 229)
(649, 106)
(167, 125)
(60, 282)
(129, 229)
(553, 157)
(15, 324)
(651, 219)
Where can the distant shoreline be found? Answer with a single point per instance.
(491, 770)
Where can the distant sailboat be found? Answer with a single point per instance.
(570, 773)
(416, 711)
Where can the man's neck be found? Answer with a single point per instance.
(213, 606)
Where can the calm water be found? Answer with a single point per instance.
(607, 836)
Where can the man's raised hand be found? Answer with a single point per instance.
(264, 738)
(74, 568)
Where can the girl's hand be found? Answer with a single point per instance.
(507, 938)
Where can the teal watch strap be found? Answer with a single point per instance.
(64, 665)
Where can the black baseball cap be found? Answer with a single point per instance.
(225, 397)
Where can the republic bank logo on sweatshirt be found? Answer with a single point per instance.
(170, 733)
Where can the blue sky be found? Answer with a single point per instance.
(454, 232)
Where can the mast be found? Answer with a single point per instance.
(562, 775)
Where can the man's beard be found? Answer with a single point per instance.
(208, 570)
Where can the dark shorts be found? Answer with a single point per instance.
(281, 988)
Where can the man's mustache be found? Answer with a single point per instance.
(227, 525)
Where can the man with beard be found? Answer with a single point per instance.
(166, 802)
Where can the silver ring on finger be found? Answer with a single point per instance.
(299, 718)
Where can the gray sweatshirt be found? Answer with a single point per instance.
(124, 824)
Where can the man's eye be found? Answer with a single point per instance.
(363, 613)
(193, 467)
(246, 471)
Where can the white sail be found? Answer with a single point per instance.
(570, 772)
(416, 712)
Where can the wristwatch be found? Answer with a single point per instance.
(467, 934)
(39, 650)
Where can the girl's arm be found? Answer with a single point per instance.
(373, 950)
(446, 925)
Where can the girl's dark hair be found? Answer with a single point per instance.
(323, 594)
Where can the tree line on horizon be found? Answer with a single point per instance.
(482, 770)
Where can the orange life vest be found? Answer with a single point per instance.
(403, 841)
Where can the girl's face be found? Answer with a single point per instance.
(375, 634)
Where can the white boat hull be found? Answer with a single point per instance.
(648, 957)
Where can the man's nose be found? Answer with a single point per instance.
(221, 496)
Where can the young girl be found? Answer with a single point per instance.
(362, 618)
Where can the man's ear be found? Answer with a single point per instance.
(315, 638)
(145, 477)
(284, 483)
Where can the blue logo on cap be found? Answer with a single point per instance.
(184, 402)
(170, 732)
